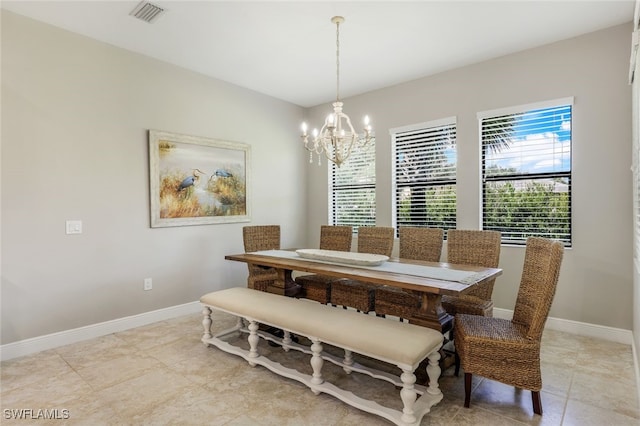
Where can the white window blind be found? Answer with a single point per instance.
(526, 171)
(352, 189)
(424, 174)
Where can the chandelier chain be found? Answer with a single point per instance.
(338, 61)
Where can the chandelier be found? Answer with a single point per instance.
(337, 137)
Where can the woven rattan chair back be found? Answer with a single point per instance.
(336, 237)
(356, 294)
(257, 238)
(540, 273)
(318, 287)
(375, 240)
(416, 244)
(474, 247)
(421, 243)
(261, 237)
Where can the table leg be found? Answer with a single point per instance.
(284, 285)
(431, 313)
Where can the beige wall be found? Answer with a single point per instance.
(596, 279)
(74, 119)
(75, 113)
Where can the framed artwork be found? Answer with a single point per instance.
(198, 181)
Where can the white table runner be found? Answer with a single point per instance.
(463, 277)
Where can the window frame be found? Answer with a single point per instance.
(529, 176)
(425, 126)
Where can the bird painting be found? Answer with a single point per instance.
(222, 173)
(190, 180)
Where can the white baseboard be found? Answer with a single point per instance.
(580, 328)
(54, 340)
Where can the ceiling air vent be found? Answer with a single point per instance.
(146, 11)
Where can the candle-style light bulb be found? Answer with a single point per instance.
(304, 127)
(315, 133)
(330, 120)
(366, 121)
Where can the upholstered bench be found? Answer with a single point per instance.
(401, 344)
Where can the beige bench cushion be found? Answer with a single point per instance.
(384, 339)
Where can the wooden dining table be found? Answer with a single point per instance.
(409, 275)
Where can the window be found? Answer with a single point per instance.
(352, 189)
(526, 171)
(424, 174)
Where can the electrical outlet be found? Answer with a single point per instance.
(148, 284)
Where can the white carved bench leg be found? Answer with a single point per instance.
(316, 363)
(413, 408)
(206, 322)
(348, 361)
(286, 341)
(433, 371)
(408, 395)
(253, 341)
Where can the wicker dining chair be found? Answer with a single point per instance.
(416, 244)
(257, 238)
(508, 351)
(358, 294)
(318, 287)
(473, 247)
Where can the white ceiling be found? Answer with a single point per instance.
(287, 49)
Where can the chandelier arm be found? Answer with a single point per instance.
(348, 120)
(319, 140)
(313, 145)
(340, 156)
(309, 145)
(336, 160)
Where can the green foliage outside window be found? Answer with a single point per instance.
(531, 209)
(432, 207)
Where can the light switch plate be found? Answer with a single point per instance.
(74, 226)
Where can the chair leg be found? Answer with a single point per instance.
(457, 371)
(467, 389)
(537, 402)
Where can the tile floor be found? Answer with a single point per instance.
(162, 374)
